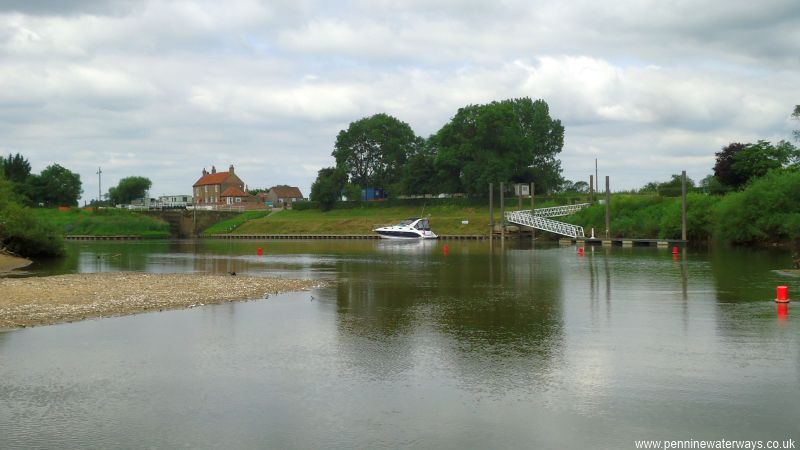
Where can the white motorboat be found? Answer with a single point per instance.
(413, 228)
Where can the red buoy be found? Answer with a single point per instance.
(580, 251)
(260, 252)
(445, 250)
(783, 294)
(674, 250)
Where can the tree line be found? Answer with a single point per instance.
(53, 186)
(511, 140)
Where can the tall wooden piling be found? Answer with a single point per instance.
(502, 215)
(533, 195)
(491, 211)
(683, 205)
(608, 209)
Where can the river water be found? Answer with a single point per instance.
(410, 347)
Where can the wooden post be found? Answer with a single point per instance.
(491, 211)
(533, 194)
(608, 209)
(502, 215)
(683, 205)
(591, 188)
(519, 196)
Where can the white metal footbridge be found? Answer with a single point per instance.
(540, 219)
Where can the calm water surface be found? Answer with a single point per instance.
(406, 347)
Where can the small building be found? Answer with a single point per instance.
(236, 197)
(522, 190)
(209, 188)
(283, 196)
(175, 201)
(372, 194)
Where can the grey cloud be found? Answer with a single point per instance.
(68, 7)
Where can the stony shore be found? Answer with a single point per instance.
(66, 298)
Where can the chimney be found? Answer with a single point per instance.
(231, 169)
(213, 169)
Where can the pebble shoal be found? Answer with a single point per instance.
(67, 298)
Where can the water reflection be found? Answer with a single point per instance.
(408, 346)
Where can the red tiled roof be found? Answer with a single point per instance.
(234, 192)
(212, 178)
(286, 192)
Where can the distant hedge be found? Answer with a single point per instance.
(21, 231)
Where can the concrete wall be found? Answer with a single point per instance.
(184, 224)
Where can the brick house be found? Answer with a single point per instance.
(284, 196)
(221, 189)
(234, 196)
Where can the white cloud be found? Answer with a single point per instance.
(166, 88)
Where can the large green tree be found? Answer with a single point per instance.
(15, 168)
(55, 186)
(501, 141)
(128, 189)
(327, 188)
(373, 150)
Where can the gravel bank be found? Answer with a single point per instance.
(9, 262)
(67, 298)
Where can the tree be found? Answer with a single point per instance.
(711, 185)
(512, 140)
(759, 158)
(327, 188)
(55, 186)
(15, 168)
(373, 150)
(419, 174)
(723, 169)
(128, 189)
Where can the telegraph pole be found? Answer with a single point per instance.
(99, 186)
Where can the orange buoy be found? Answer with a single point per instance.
(260, 251)
(783, 294)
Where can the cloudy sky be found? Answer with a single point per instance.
(165, 88)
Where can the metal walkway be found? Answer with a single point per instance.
(539, 219)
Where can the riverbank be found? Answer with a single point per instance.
(9, 262)
(68, 298)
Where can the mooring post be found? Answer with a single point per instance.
(683, 206)
(591, 188)
(533, 195)
(491, 211)
(519, 195)
(608, 209)
(502, 215)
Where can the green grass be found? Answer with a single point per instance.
(229, 225)
(105, 222)
(444, 220)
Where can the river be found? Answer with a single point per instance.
(410, 347)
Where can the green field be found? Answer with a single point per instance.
(104, 222)
(446, 220)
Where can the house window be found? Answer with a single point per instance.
(216, 188)
(205, 189)
(238, 199)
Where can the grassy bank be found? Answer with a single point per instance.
(103, 222)
(444, 220)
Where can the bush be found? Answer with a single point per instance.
(20, 230)
(765, 211)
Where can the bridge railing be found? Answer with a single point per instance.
(525, 218)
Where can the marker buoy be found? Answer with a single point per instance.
(580, 251)
(783, 294)
(259, 251)
(445, 250)
(674, 250)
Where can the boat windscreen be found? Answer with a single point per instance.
(406, 223)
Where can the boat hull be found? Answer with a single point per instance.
(404, 234)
